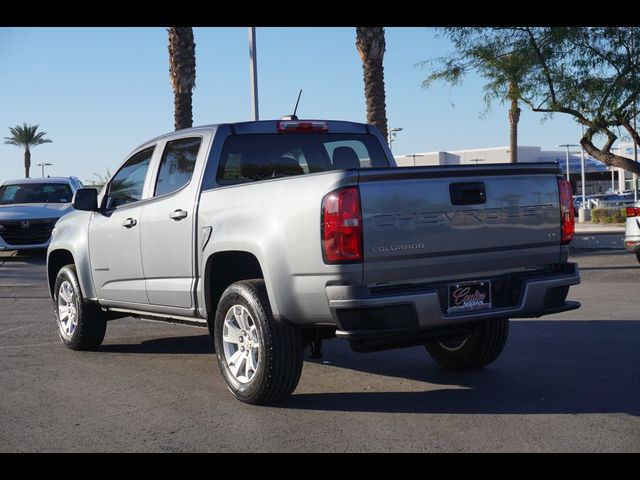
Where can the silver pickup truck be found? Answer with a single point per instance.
(277, 235)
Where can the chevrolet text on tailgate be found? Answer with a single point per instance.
(277, 235)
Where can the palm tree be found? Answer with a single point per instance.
(26, 136)
(370, 43)
(514, 118)
(182, 70)
(505, 73)
(99, 181)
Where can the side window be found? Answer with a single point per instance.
(126, 186)
(176, 166)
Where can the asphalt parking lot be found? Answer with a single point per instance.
(568, 382)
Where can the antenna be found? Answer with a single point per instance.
(297, 101)
(293, 116)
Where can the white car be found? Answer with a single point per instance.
(30, 208)
(632, 230)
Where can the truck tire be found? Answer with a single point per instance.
(260, 359)
(475, 351)
(81, 326)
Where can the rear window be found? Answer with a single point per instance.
(250, 158)
(35, 193)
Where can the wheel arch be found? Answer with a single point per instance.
(55, 261)
(58, 258)
(224, 268)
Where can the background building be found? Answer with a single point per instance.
(599, 178)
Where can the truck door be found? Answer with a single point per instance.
(114, 235)
(167, 225)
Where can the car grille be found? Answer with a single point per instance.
(16, 232)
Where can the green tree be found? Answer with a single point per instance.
(590, 73)
(370, 43)
(182, 71)
(488, 56)
(26, 136)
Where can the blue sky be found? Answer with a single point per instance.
(99, 92)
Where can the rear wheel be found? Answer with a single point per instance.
(475, 351)
(80, 326)
(260, 359)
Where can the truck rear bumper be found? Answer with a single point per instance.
(360, 314)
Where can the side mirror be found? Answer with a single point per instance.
(86, 199)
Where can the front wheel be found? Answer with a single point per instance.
(260, 358)
(81, 326)
(475, 351)
(638, 256)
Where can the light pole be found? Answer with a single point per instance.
(43, 165)
(567, 146)
(635, 153)
(392, 136)
(253, 72)
(613, 180)
(583, 212)
(583, 174)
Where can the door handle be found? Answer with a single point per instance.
(178, 215)
(129, 222)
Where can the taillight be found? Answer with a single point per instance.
(302, 126)
(342, 226)
(633, 212)
(566, 211)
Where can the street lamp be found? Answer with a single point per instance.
(253, 72)
(392, 135)
(43, 165)
(567, 146)
(635, 153)
(583, 174)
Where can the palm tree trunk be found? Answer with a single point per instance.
(27, 162)
(182, 70)
(370, 42)
(182, 108)
(514, 118)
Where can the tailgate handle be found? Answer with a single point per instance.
(467, 193)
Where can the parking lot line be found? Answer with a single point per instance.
(17, 328)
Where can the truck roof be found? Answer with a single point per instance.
(266, 126)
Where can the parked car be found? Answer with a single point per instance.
(30, 208)
(632, 230)
(277, 235)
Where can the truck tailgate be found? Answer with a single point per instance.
(458, 222)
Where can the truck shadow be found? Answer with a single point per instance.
(547, 367)
(192, 344)
(38, 257)
(38, 253)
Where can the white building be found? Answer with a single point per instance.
(600, 178)
(481, 155)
